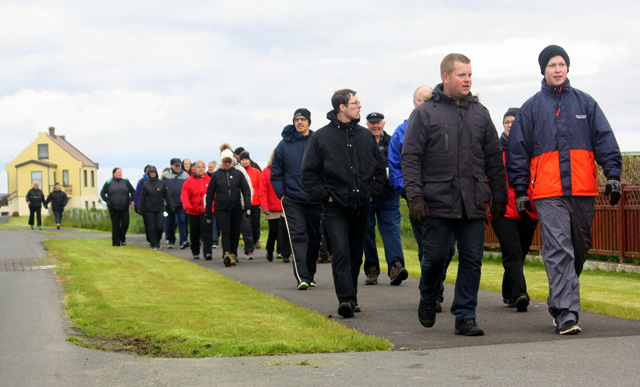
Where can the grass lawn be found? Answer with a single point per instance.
(614, 294)
(136, 299)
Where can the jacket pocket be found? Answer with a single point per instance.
(482, 190)
(437, 192)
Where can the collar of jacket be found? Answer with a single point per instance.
(504, 141)
(333, 117)
(438, 95)
(290, 134)
(555, 90)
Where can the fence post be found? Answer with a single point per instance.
(623, 225)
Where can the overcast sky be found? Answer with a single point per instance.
(137, 82)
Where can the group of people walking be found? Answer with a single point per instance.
(331, 186)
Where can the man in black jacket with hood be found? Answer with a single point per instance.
(58, 199)
(342, 169)
(452, 167)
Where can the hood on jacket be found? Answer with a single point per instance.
(438, 94)
(152, 168)
(333, 117)
(290, 134)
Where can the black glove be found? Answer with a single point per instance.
(207, 217)
(523, 203)
(613, 188)
(497, 211)
(247, 213)
(418, 210)
(403, 194)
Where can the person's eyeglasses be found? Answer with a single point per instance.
(507, 123)
(355, 103)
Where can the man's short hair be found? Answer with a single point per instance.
(447, 64)
(341, 97)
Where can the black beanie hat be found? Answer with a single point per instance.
(245, 155)
(302, 112)
(511, 112)
(548, 53)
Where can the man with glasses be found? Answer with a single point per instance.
(342, 169)
(302, 213)
(452, 167)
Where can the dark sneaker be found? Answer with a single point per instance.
(215, 245)
(208, 257)
(468, 327)
(312, 284)
(398, 273)
(426, 314)
(196, 257)
(184, 245)
(227, 259)
(356, 309)
(324, 260)
(58, 226)
(521, 303)
(345, 309)
(569, 328)
(372, 276)
(123, 243)
(170, 245)
(270, 256)
(439, 307)
(303, 285)
(285, 259)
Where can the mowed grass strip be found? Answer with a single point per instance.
(155, 304)
(610, 293)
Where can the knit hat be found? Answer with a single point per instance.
(244, 155)
(226, 154)
(548, 53)
(304, 113)
(512, 112)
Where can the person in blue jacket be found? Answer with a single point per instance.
(302, 213)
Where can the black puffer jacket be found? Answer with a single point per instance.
(154, 194)
(35, 198)
(58, 200)
(452, 157)
(228, 188)
(117, 193)
(342, 160)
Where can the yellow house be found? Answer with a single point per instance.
(50, 159)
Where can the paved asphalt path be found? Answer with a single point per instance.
(518, 348)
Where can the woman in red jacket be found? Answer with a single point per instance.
(515, 235)
(272, 209)
(193, 198)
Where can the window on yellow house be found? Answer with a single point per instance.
(85, 177)
(43, 151)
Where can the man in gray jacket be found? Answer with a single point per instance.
(174, 179)
(452, 166)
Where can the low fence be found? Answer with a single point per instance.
(615, 230)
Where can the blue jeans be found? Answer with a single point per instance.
(216, 231)
(437, 233)
(346, 229)
(388, 213)
(173, 219)
(57, 215)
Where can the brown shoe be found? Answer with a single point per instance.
(227, 259)
(234, 260)
(372, 276)
(398, 273)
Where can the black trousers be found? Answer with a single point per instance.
(515, 238)
(35, 211)
(119, 225)
(155, 221)
(200, 231)
(346, 230)
(303, 224)
(229, 223)
(255, 223)
(278, 233)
